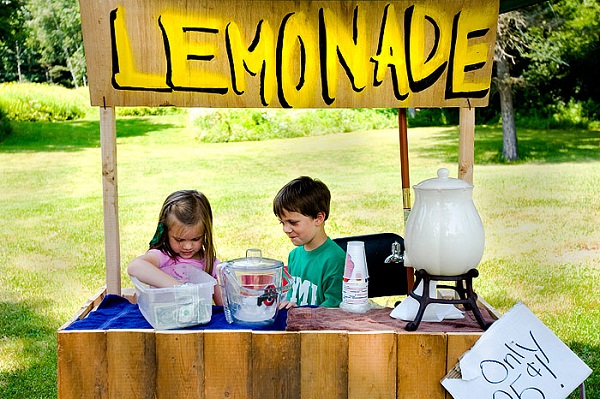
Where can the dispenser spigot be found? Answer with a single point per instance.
(396, 256)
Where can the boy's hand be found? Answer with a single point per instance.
(286, 305)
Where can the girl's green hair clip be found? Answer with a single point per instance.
(160, 229)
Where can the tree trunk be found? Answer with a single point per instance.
(72, 70)
(18, 54)
(509, 132)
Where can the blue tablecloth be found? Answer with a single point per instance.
(117, 313)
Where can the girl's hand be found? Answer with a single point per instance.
(146, 269)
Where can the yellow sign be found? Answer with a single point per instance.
(291, 54)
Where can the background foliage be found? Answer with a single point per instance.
(553, 53)
(218, 126)
(41, 102)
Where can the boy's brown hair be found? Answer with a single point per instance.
(304, 195)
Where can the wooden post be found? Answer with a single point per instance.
(108, 143)
(405, 176)
(466, 144)
(404, 167)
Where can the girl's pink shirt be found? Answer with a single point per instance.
(174, 267)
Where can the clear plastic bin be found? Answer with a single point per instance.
(177, 307)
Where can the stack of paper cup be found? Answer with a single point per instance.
(355, 288)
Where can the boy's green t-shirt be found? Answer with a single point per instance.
(317, 275)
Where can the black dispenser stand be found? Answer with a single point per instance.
(463, 286)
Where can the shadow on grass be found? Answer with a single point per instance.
(540, 146)
(33, 342)
(72, 135)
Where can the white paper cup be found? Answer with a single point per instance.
(356, 261)
(355, 288)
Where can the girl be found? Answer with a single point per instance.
(184, 236)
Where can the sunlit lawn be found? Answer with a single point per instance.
(541, 218)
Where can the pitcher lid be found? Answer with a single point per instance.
(254, 260)
(443, 182)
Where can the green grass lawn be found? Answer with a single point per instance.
(541, 217)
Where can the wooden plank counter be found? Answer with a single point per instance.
(254, 364)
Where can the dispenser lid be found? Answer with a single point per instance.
(443, 182)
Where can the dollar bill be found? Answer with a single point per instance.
(181, 314)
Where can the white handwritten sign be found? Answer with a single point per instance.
(518, 357)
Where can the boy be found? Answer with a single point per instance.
(317, 263)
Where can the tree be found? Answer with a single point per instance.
(12, 39)
(56, 34)
(510, 38)
(567, 54)
(545, 60)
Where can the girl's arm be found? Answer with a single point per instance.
(146, 269)
(217, 296)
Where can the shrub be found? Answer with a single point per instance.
(226, 125)
(5, 128)
(27, 102)
(561, 115)
(148, 111)
(426, 117)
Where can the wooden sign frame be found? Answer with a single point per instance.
(290, 54)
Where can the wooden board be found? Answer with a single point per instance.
(241, 364)
(276, 365)
(228, 364)
(82, 365)
(458, 344)
(91, 304)
(324, 365)
(421, 365)
(296, 54)
(131, 364)
(179, 364)
(372, 365)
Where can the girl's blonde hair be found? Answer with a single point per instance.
(190, 208)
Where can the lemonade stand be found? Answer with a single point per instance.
(274, 54)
